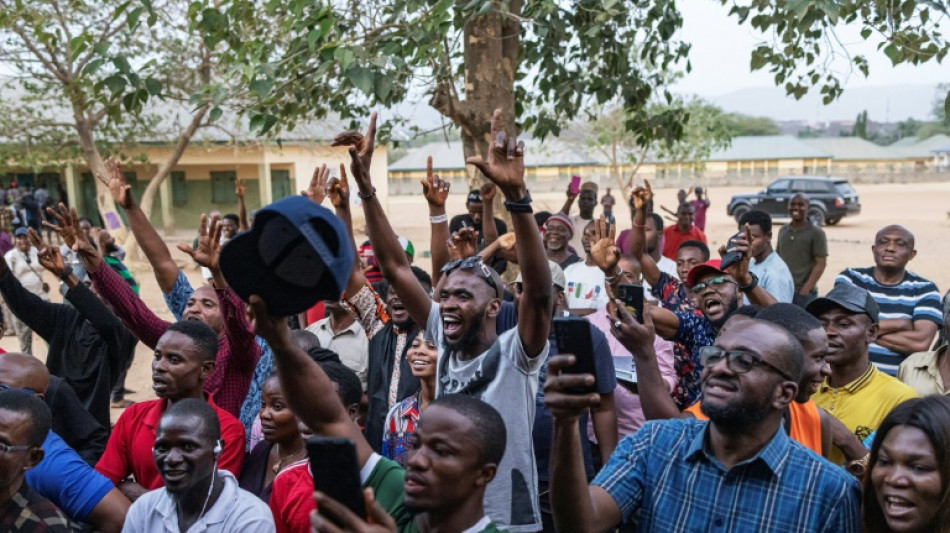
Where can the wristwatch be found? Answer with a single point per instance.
(68, 271)
(858, 467)
(752, 285)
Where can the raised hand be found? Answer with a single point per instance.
(634, 336)
(557, 396)
(49, 256)
(239, 188)
(505, 165)
(209, 243)
(271, 328)
(642, 196)
(740, 269)
(603, 250)
(121, 191)
(338, 189)
(68, 224)
(571, 195)
(434, 188)
(506, 247)
(317, 190)
(464, 242)
(361, 154)
(488, 191)
(334, 517)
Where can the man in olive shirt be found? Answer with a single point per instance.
(929, 372)
(804, 248)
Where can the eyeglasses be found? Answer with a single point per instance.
(478, 267)
(715, 282)
(6, 448)
(739, 361)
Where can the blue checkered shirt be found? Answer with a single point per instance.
(667, 474)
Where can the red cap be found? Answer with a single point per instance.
(698, 271)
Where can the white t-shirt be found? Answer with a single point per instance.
(665, 264)
(507, 379)
(235, 510)
(585, 287)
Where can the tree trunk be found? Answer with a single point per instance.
(491, 47)
(110, 216)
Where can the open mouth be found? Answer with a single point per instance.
(451, 326)
(712, 306)
(895, 506)
(174, 475)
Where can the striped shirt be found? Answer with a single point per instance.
(667, 473)
(914, 298)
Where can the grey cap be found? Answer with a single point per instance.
(557, 275)
(848, 297)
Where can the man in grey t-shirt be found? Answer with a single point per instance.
(473, 359)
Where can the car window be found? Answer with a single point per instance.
(844, 188)
(812, 187)
(779, 187)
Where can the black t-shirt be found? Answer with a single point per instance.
(456, 224)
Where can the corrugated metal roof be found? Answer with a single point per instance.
(450, 156)
(850, 148)
(766, 147)
(923, 148)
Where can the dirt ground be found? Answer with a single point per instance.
(922, 208)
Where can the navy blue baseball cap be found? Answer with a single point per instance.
(296, 254)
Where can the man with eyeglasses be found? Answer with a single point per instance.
(501, 370)
(737, 472)
(24, 423)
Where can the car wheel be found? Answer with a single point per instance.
(740, 210)
(817, 216)
(833, 221)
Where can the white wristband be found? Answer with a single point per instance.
(438, 219)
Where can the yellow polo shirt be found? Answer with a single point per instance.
(862, 404)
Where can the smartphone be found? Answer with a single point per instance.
(572, 336)
(336, 472)
(632, 297)
(575, 184)
(731, 257)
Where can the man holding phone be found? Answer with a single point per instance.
(501, 370)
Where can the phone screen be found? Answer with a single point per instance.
(336, 472)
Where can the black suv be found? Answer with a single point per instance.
(830, 199)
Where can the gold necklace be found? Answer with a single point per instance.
(280, 462)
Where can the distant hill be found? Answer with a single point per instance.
(886, 103)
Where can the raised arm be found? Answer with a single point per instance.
(436, 191)
(642, 199)
(505, 168)
(740, 270)
(152, 244)
(312, 395)
(389, 254)
(127, 305)
(568, 202)
(39, 314)
(239, 190)
(489, 230)
(577, 506)
(637, 338)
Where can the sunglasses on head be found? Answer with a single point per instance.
(715, 282)
(478, 267)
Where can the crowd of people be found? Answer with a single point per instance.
(735, 398)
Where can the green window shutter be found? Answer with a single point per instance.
(222, 187)
(179, 188)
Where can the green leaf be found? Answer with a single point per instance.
(122, 64)
(215, 114)
(891, 52)
(132, 19)
(362, 79)
(261, 87)
(153, 86)
(219, 95)
(343, 56)
(115, 84)
(865, 33)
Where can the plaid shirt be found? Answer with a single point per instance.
(667, 473)
(237, 351)
(28, 512)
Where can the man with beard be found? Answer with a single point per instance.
(857, 393)
(195, 494)
(737, 472)
(558, 232)
(909, 304)
(184, 358)
(586, 202)
(473, 359)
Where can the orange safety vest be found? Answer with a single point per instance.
(805, 422)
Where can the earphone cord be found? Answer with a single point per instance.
(204, 507)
